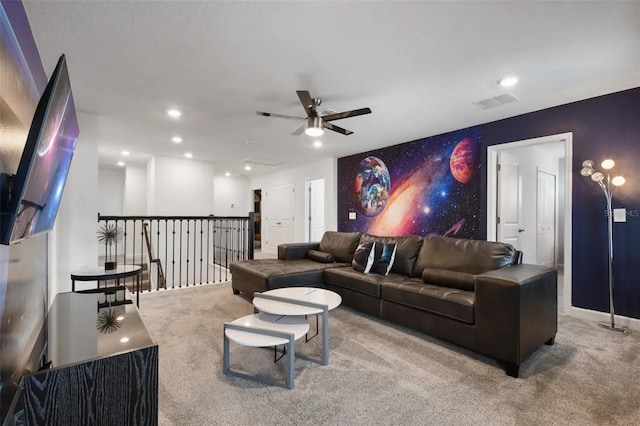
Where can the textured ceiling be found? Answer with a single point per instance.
(418, 65)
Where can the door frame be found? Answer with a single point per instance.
(492, 188)
(307, 201)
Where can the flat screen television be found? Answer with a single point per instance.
(31, 197)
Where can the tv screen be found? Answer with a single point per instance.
(34, 193)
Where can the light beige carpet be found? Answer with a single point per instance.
(383, 374)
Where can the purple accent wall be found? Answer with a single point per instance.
(603, 127)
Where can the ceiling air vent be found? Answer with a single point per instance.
(261, 161)
(489, 103)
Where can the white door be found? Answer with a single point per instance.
(509, 226)
(546, 219)
(277, 216)
(314, 210)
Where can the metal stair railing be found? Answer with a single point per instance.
(160, 279)
(188, 250)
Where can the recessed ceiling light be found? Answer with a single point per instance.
(227, 174)
(317, 144)
(121, 163)
(509, 81)
(176, 139)
(120, 318)
(188, 154)
(124, 340)
(174, 113)
(125, 153)
(247, 167)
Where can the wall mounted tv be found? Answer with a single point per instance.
(31, 197)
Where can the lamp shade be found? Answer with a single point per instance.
(618, 180)
(586, 171)
(608, 164)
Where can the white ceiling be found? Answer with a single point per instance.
(417, 65)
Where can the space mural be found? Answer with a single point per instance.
(426, 187)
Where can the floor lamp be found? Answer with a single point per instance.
(608, 185)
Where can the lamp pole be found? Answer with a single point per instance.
(607, 189)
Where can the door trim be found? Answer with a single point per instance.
(492, 161)
(307, 206)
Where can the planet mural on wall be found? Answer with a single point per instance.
(372, 186)
(461, 162)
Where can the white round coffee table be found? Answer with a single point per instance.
(246, 336)
(301, 301)
(263, 330)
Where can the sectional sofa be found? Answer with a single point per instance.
(476, 294)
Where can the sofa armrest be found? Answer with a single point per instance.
(516, 311)
(295, 251)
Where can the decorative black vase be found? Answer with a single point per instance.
(110, 265)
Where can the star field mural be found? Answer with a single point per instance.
(426, 187)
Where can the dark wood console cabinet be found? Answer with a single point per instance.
(104, 367)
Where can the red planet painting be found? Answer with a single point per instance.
(461, 162)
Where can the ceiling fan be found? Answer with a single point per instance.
(314, 122)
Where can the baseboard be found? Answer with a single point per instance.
(596, 316)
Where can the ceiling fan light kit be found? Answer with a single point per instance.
(314, 127)
(315, 123)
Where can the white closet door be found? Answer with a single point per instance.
(278, 204)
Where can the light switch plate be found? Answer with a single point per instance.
(619, 215)
(352, 215)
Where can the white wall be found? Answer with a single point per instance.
(135, 191)
(326, 169)
(111, 191)
(232, 196)
(73, 242)
(182, 187)
(150, 186)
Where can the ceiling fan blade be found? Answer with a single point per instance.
(307, 102)
(299, 130)
(346, 114)
(270, 114)
(336, 128)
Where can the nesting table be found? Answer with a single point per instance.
(301, 301)
(281, 321)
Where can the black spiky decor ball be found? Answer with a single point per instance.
(107, 321)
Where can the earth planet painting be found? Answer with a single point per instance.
(426, 187)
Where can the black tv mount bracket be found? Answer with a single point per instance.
(6, 188)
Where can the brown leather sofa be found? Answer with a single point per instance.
(476, 294)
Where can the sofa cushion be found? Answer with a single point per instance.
(449, 302)
(446, 278)
(320, 256)
(341, 245)
(275, 273)
(351, 279)
(384, 255)
(363, 257)
(462, 255)
(406, 251)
